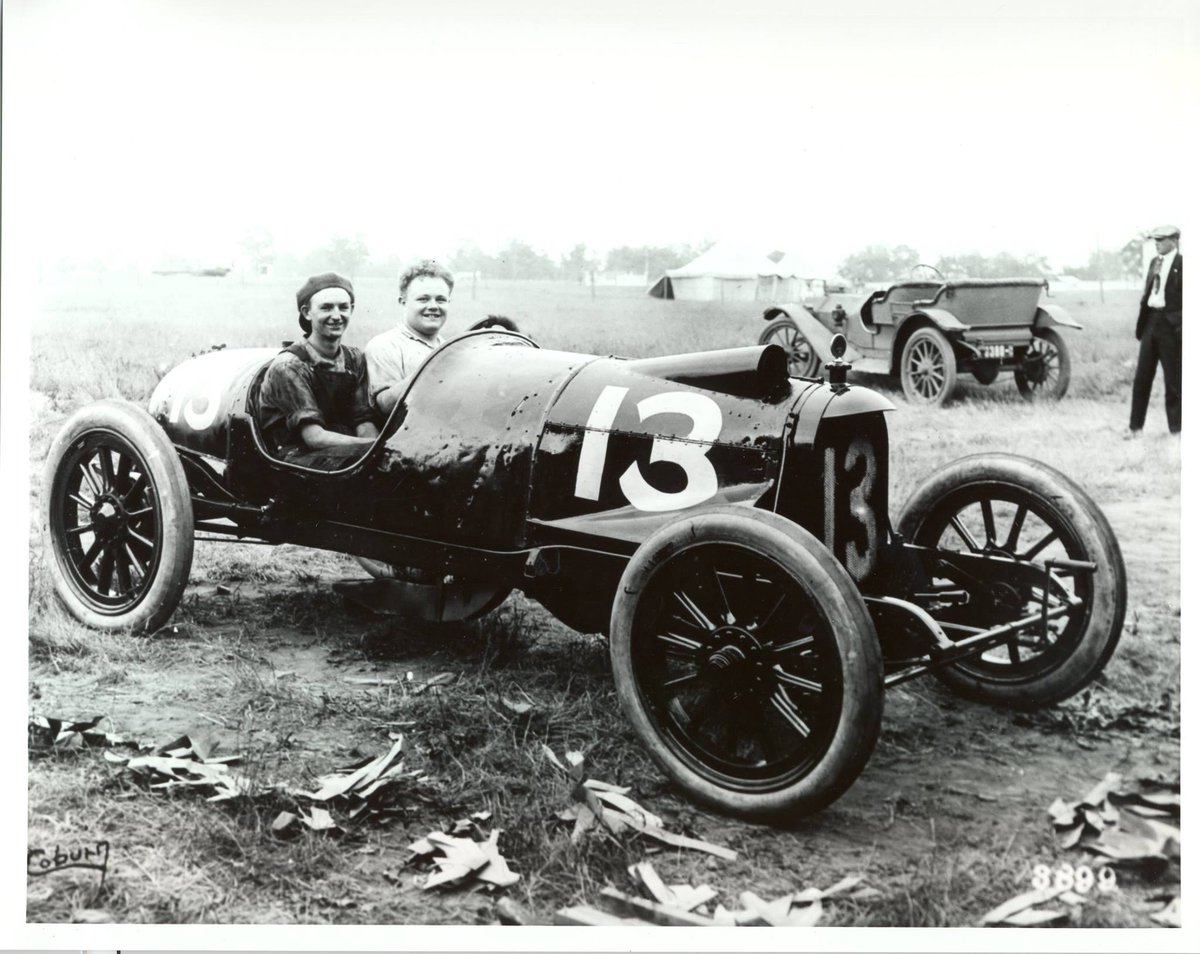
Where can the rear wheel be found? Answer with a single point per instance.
(927, 368)
(1020, 510)
(747, 663)
(802, 358)
(1046, 368)
(118, 517)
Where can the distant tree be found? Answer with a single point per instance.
(879, 263)
(258, 246)
(1003, 265)
(389, 266)
(519, 259)
(344, 255)
(1103, 264)
(1112, 263)
(652, 260)
(576, 264)
(1131, 256)
(469, 257)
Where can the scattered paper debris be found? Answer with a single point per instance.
(595, 801)
(460, 860)
(91, 916)
(509, 912)
(1170, 915)
(434, 683)
(64, 735)
(517, 708)
(626, 905)
(1021, 911)
(371, 789)
(374, 680)
(191, 764)
(1131, 825)
(684, 904)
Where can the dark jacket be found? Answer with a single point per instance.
(296, 391)
(1172, 291)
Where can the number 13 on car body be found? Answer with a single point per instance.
(689, 452)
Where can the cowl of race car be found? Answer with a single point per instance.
(725, 525)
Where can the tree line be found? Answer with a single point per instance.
(517, 259)
(885, 263)
(520, 260)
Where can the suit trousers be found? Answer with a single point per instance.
(1162, 343)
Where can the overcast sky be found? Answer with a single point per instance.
(137, 130)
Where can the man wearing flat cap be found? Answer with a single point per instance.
(1160, 331)
(313, 405)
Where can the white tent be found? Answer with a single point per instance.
(798, 279)
(723, 273)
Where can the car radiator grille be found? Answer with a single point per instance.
(838, 490)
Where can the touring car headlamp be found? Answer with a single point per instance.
(837, 368)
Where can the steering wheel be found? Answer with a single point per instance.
(922, 272)
(495, 321)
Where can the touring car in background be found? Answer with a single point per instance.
(928, 332)
(725, 524)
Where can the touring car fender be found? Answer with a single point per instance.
(943, 319)
(1050, 315)
(817, 334)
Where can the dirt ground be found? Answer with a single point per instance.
(948, 818)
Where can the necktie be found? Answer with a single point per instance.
(1156, 267)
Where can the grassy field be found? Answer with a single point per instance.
(267, 664)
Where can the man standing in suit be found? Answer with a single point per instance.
(1160, 331)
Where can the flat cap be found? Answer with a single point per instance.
(320, 283)
(1165, 231)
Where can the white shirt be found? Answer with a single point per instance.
(395, 355)
(1159, 299)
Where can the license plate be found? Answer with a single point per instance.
(996, 351)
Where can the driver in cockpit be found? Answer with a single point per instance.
(314, 407)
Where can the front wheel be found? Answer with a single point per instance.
(1045, 370)
(928, 371)
(1020, 513)
(803, 361)
(747, 663)
(118, 517)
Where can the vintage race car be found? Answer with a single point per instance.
(725, 524)
(928, 332)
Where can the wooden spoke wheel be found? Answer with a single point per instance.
(803, 361)
(747, 663)
(118, 518)
(1046, 369)
(1024, 512)
(928, 372)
